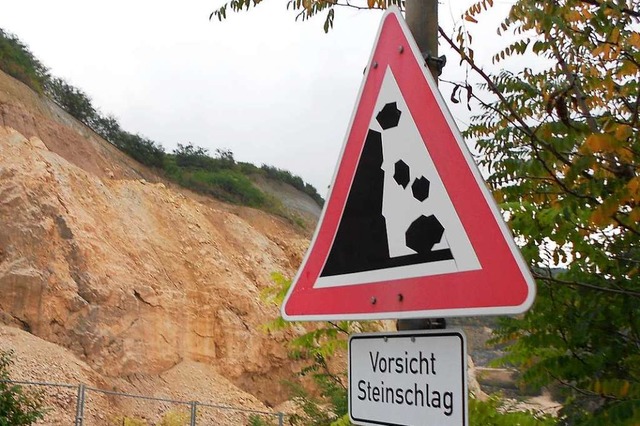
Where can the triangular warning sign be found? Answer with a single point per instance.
(409, 228)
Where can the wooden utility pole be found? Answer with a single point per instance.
(422, 19)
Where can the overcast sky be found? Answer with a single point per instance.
(272, 90)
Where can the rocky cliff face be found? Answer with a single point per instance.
(132, 276)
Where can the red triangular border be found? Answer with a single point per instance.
(503, 285)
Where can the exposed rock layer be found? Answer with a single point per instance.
(132, 276)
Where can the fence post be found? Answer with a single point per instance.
(80, 405)
(280, 419)
(193, 413)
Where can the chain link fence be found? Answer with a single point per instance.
(82, 405)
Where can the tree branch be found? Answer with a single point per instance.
(495, 90)
(337, 327)
(489, 82)
(628, 11)
(624, 225)
(575, 87)
(586, 286)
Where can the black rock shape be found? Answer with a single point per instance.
(420, 188)
(389, 116)
(361, 242)
(424, 233)
(401, 173)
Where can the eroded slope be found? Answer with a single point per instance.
(136, 278)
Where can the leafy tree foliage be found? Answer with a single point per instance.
(493, 413)
(190, 156)
(73, 100)
(225, 156)
(561, 143)
(138, 147)
(18, 61)
(17, 407)
(306, 9)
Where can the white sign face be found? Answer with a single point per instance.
(415, 378)
(408, 207)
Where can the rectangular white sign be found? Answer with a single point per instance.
(415, 378)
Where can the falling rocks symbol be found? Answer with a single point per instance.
(401, 173)
(361, 241)
(420, 188)
(389, 116)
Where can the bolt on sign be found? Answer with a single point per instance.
(408, 378)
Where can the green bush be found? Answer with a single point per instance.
(73, 100)
(107, 127)
(248, 168)
(194, 157)
(139, 148)
(230, 185)
(17, 407)
(17, 61)
(492, 413)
